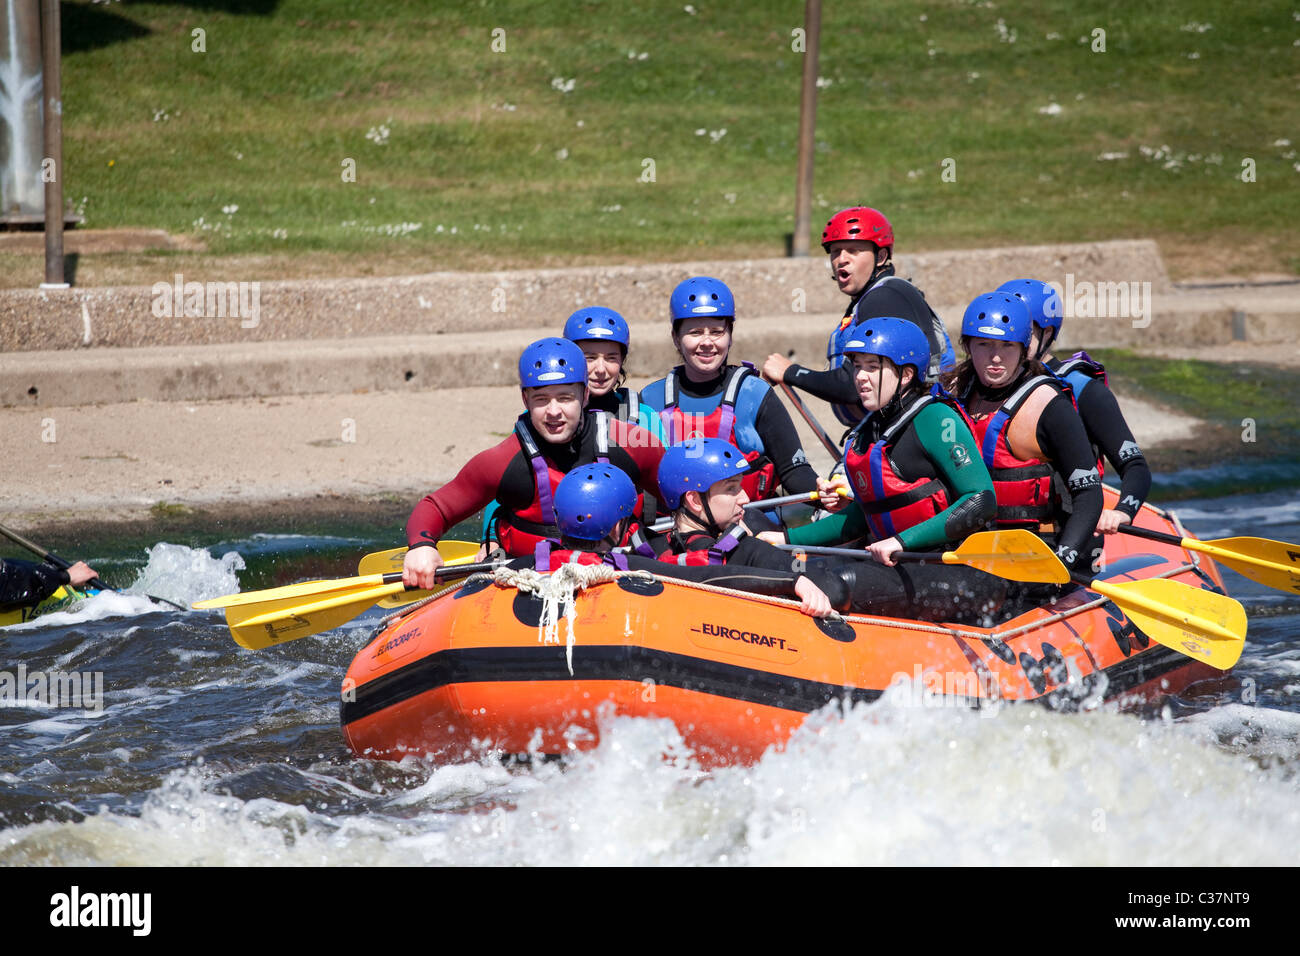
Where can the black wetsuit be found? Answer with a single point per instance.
(26, 584)
(1111, 437)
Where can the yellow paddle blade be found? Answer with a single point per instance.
(1018, 555)
(380, 562)
(1274, 564)
(1199, 623)
(268, 623)
(299, 592)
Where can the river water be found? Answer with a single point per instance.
(198, 752)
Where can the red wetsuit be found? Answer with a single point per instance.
(505, 473)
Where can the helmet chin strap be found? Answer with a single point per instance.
(707, 521)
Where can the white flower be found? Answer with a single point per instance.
(1051, 109)
(563, 85)
(562, 154)
(689, 9)
(1107, 157)
(717, 134)
(230, 210)
(1195, 27)
(378, 134)
(823, 82)
(1281, 142)
(1005, 33)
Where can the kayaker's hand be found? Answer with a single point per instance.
(815, 601)
(775, 366)
(829, 496)
(418, 568)
(81, 573)
(884, 551)
(771, 537)
(1111, 520)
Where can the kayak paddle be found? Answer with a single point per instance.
(666, 524)
(1017, 555)
(380, 562)
(1274, 564)
(259, 619)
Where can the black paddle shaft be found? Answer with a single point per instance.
(44, 555)
(1152, 535)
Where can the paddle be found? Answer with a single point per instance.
(1274, 564)
(1017, 555)
(835, 451)
(664, 524)
(1203, 625)
(259, 619)
(380, 562)
(58, 562)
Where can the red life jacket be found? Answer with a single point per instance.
(890, 503)
(521, 531)
(675, 548)
(760, 481)
(548, 555)
(1026, 492)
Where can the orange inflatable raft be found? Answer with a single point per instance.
(467, 672)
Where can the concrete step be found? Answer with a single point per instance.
(225, 309)
(459, 359)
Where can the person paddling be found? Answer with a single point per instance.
(1029, 434)
(704, 397)
(25, 584)
(918, 481)
(555, 434)
(1109, 433)
(860, 243)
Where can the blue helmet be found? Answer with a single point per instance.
(998, 315)
(592, 499)
(695, 465)
(1042, 301)
(702, 297)
(900, 341)
(596, 323)
(552, 362)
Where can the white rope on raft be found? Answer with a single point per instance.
(574, 576)
(557, 590)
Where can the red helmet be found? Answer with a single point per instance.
(859, 222)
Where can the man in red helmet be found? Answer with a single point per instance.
(860, 243)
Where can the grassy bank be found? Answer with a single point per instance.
(470, 158)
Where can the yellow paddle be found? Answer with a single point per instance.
(1203, 625)
(259, 619)
(382, 562)
(1017, 555)
(1274, 564)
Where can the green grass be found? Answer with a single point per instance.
(159, 136)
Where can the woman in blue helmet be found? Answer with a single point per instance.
(1109, 433)
(555, 434)
(704, 397)
(1029, 434)
(918, 480)
(604, 337)
(595, 503)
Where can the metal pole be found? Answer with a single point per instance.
(53, 119)
(812, 21)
